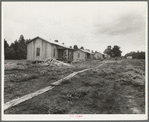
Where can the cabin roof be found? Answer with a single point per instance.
(54, 43)
(85, 51)
(99, 53)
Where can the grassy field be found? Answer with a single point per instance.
(114, 88)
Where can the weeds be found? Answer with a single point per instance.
(23, 78)
(75, 95)
(101, 91)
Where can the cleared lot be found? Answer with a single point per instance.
(114, 88)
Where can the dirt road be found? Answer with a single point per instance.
(115, 88)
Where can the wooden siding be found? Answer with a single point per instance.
(98, 56)
(46, 50)
(81, 57)
(29, 51)
(52, 51)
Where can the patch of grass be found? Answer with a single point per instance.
(24, 78)
(74, 95)
(92, 82)
(87, 93)
(59, 105)
(116, 85)
(65, 82)
(52, 78)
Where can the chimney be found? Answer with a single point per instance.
(71, 47)
(63, 43)
(55, 40)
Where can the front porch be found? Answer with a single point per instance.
(65, 54)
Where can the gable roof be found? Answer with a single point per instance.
(54, 43)
(99, 53)
(85, 51)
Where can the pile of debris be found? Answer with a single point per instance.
(54, 62)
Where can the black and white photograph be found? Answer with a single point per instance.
(74, 60)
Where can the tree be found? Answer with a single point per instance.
(82, 48)
(6, 49)
(6, 45)
(108, 51)
(9, 53)
(75, 47)
(6, 52)
(27, 40)
(17, 50)
(116, 51)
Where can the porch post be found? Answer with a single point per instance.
(67, 53)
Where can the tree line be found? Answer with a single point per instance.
(17, 50)
(136, 55)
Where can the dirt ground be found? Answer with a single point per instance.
(114, 88)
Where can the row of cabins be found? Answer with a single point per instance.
(39, 49)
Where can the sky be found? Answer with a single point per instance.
(93, 25)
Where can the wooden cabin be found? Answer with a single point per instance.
(81, 54)
(39, 49)
(98, 56)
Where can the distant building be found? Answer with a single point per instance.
(98, 56)
(106, 56)
(129, 57)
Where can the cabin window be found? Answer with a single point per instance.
(78, 55)
(54, 53)
(38, 52)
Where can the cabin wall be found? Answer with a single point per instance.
(37, 44)
(29, 51)
(98, 56)
(54, 47)
(81, 57)
(47, 50)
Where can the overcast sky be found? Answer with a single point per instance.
(93, 25)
